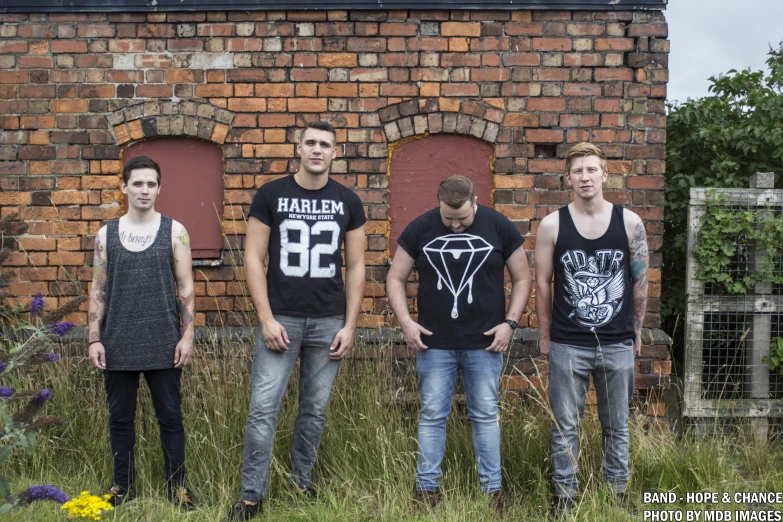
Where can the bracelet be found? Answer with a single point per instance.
(93, 342)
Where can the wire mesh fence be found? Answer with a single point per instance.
(733, 316)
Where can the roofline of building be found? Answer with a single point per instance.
(54, 6)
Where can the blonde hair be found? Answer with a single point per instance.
(580, 150)
(455, 191)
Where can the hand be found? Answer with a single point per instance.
(183, 353)
(342, 345)
(637, 345)
(97, 354)
(412, 332)
(275, 336)
(544, 346)
(503, 334)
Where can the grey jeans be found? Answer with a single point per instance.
(310, 339)
(570, 368)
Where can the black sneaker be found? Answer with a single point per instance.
(242, 511)
(308, 492)
(560, 505)
(624, 500)
(425, 500)
(118, 495)
(180, 496)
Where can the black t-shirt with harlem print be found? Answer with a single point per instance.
(461, 276)
(304, 278)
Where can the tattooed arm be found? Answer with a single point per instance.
(640, 262)
(183, 272)
(96, 351)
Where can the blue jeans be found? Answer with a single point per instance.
(310, 339)
(437, 373)
(570, 367)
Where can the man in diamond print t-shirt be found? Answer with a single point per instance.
(460, 250)
(304, 309)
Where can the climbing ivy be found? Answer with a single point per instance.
(724, 231)
(775, 358)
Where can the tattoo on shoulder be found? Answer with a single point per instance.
(183, 237)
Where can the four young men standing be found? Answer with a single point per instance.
(589, 322)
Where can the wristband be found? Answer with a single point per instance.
(93, 342)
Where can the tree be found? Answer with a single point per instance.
(717, 141)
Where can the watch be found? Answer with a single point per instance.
(512, 324)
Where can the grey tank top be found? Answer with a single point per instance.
(140, 329)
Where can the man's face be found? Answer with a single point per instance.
(316, 149)
(458, 219)
(142, 189)
(586, 177)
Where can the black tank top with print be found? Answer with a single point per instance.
(593, 294)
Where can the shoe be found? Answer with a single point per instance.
(499, 502)
(242, 511)
(560, 505)
(180, 496)
(426, 499)
(624, 500)
(308, 491)
(117, 495)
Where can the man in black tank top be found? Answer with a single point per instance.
(592, 325)
(142, 288)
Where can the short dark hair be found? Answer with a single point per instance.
(139, 162)
(322, 126)
(455, 191)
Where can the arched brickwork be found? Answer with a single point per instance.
(167, 118)
(435, 115)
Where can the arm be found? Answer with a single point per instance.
(256, 247)
(183, 272)
(395, 289)
(545, 248)
(354, 292)
(96, 350)
(640, 262)
(520, 292)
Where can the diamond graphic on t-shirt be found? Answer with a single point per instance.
(456, 258)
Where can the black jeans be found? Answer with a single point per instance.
(121, 390)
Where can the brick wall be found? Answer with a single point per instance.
(76, 88)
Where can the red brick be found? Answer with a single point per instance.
(95, 30)
(69, 46)
(524, 29)
(613, 75)
(460, 29)
(68, 106)
(546, 104)
(521, 59)
(614, 44)
(13, 46)
(552, 44)
(544, 136)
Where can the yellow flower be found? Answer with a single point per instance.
(87, 506)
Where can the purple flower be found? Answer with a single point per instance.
(3, 366)
(42, 396)
(44, 492)
(60, 329)
(48, 357)
(37, 304)
(6, 391)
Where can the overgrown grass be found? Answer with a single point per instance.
(367, 458)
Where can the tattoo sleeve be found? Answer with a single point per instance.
(640, 262)
(183, 237)
(185, 303)
(98, 292)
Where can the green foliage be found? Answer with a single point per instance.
(775, 358)
(723, 230)
(718, 141)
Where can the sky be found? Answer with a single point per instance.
(709, 37)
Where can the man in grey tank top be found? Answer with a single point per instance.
(591, 324)
(142, 289)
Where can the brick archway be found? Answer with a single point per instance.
(434, 115)
(166, 118)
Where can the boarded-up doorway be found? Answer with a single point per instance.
(191, 188)
(418, 167)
